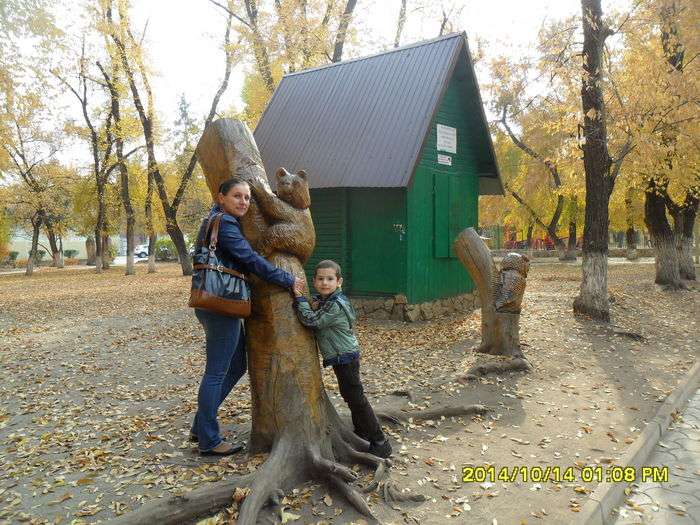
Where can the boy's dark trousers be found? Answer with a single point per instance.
(363, 417)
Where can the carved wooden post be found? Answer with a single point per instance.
(500, 293)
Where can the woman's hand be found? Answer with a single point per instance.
(298, 287)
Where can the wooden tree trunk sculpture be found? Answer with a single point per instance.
(292, 417)
(500, 294)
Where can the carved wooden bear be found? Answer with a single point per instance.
(286, 212)
(511, 285)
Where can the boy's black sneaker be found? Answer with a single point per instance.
(380, 448)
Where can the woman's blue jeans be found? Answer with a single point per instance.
(226, 364)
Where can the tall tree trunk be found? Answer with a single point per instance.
(630, 233)
(179, 240)
(571, 245)
(400, 23)
(684, 239)
(150, 230)
(342, 32)
(662, 237)
(90, 251)
(593, 296)
(262, 59)
(530, 227)
(99, 250)
(121, 163)
(293, 418)
(106, 252)
(56, 252)
(36, 227)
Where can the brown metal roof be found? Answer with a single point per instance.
(363, 122)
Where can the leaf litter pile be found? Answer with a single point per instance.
(100, 375)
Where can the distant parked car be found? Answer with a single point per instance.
(141, 250)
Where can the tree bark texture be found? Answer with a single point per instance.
(90, 251)
(571, 245)
(593, 295)
(99, 249)
(662, 237)
(107, 257)
(150, 230)
(36, 227)
(342, 33)
(684, 239)
(500, 331)
(293, 418)
(630, 233)
(56, 252)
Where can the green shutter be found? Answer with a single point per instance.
(441, 196)
(457, 211)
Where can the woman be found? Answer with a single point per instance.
(225, 343)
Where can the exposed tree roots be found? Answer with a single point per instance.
(177, 509)
(292, 460)
(517, 364)
(397, 416)
(386, 487)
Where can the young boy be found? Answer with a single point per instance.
(332, 321)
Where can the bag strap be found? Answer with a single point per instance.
(213, 231)
(219, 268)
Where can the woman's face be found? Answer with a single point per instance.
(237, 201)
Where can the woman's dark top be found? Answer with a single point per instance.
(235, 252)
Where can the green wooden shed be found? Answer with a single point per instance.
(398, 150)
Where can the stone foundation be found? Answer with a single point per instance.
(397, 308)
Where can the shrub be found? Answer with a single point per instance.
(165, 250)
(21, 263)
(70, 254)
(40, 254)
(71, 261)
(8, 258)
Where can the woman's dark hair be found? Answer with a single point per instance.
(226, 186)
(328, 264)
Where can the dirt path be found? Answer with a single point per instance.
(100, 375)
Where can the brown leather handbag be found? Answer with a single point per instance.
(214, 286)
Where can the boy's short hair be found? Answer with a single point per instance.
(327, 263)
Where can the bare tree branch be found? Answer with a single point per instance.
(231, 13)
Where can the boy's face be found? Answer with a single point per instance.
(326, 282)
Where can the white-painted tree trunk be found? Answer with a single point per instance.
(667, 265)
(593, 295)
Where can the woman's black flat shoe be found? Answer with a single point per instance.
(229, 451)
(194, 438)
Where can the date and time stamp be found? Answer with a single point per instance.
(557, 474)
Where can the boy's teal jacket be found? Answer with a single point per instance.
(332, 323)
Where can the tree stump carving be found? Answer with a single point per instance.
(500, 294)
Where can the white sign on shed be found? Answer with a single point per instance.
(446, 138)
